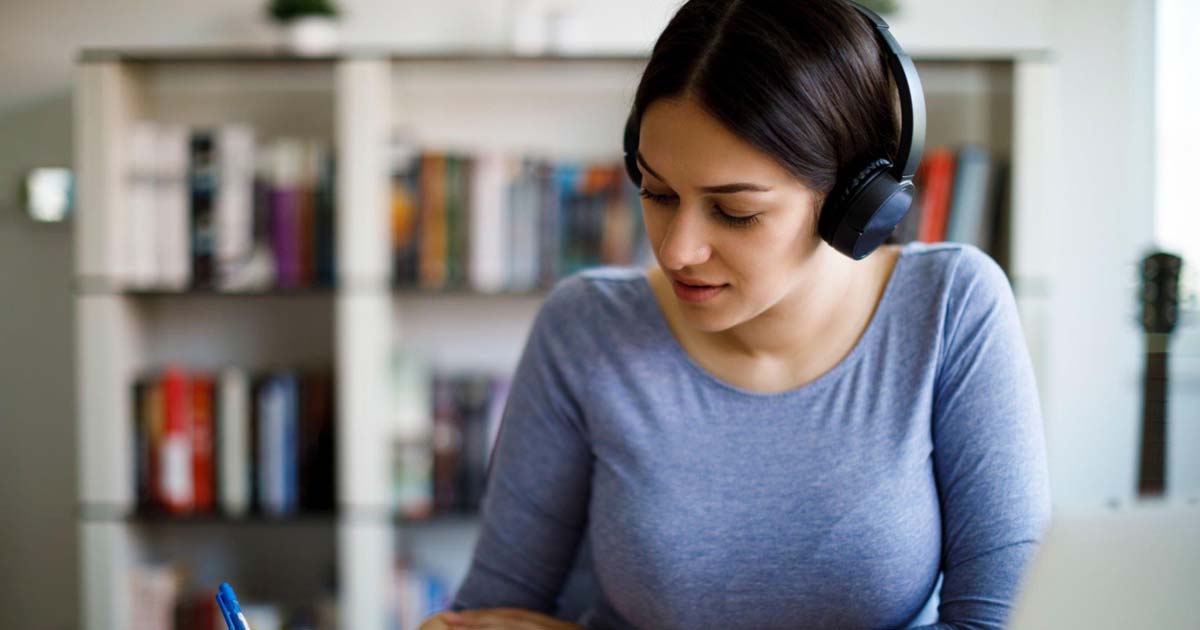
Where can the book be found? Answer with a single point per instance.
(234, 442)
(432, 211)
(202, 178)
(203, 390)
(972, 212)
(141, 183)
(173, 202)
(175, 459)
(487, 218)
(493, 222)
(935, 199)
(209, 207)
(234, 203)
(317, 443)
(443, 436)
(406, 229)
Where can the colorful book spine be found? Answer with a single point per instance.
(432, 271)
(176, 450)
(203, 443)
(935, 201)
(493, 222)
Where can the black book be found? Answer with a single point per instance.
(202, 170)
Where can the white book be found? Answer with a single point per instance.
(412, 379)
(234, 436)
(174, 208)
(141, 252)
(488, 223)
(524, 206)
(234, 208)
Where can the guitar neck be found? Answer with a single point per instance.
(1152, 469)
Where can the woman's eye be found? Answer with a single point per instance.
(646, 194)
(724, 217)
(735, 221)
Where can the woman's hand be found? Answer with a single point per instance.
(496, 619)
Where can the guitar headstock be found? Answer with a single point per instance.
(1159, 295)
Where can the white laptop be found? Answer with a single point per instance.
(1135, 565)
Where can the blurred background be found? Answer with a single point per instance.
(267, 267)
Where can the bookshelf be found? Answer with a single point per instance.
(555, 105)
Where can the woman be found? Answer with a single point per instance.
(760, 431)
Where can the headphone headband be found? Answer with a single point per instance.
(912, 99)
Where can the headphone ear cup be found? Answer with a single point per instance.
(866, 211)
(631, 147)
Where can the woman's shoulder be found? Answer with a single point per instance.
(600, 295)
(956, 270)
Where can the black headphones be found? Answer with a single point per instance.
(860, 212)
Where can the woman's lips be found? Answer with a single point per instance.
(696, 294)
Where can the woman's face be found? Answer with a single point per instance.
(720, 212)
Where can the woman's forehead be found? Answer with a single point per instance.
(680, 141)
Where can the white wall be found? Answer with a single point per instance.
(1095, 355)
(37, 381)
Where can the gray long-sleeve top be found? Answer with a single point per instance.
(907, 485)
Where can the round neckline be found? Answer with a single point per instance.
(864, 341)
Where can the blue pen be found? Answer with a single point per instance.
(230, 609)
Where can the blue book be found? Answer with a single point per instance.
(289, 447)
(971, 211)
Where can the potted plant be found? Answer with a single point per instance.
(310, 26)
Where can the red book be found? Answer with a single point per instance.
(175, 457)
(935, 203)
(203, 434)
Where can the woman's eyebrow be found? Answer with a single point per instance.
(722, 188)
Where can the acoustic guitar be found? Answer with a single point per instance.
(1159, 299)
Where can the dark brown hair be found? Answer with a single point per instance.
(804, 81)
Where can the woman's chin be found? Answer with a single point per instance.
(706, 320)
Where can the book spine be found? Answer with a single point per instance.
(202, 170)
(176, 472)
(433, 222)
(284, 239)
(307, 223)
(268, 440)
(142, 227)
(548, 199)
(203, 440)
(454, 223)
(258, 393)
(234, 443)
(936, 201)
(234, 212)
(156, 426)
(474, 410)
(142, 445)
(289, 449)
(447, 445)
(326, 223)
(485, 213)
(173, 201)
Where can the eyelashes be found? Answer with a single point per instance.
(721, 215)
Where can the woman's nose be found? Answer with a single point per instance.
(685, 243)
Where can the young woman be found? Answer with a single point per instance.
(760, 431)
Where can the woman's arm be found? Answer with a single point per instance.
(989, 450)
(534, 508)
